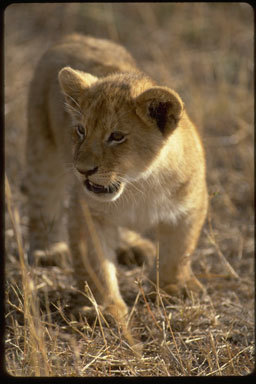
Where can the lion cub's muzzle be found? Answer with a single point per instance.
(100, 185)
(99, 189)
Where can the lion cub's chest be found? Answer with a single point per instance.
(144, 212)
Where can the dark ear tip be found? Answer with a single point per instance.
(162, 106)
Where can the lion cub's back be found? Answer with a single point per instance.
(96, 56)
(95, 52)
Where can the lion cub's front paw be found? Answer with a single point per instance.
(114, 311)
(118, 310)
(57, 255)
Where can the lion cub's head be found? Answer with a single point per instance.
(120, 124)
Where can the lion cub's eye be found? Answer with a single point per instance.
(80, 130)
(116, 137)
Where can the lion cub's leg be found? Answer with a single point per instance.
(134, 249)
(45, 187)
(92, 244)
(176, 244)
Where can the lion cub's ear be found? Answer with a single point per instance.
(160, 106)
(74, 83)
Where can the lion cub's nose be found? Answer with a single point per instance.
(88, 172)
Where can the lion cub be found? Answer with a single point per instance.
(125, 152)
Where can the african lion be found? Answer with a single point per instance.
(127, 155)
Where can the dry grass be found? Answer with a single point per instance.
(205, 52)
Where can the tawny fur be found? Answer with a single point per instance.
(94, 84)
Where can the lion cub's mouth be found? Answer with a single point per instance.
(101, 189)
